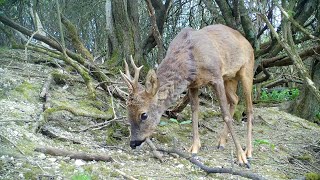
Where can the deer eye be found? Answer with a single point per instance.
(144, 116)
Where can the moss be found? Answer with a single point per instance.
(312, 176)
(209, 114)
(26, 91)
(113, 61)
(2, 94)
(31, 171)
(305, 157)
(238, 112)
(59, 78)
(26, 145)
(93, 106)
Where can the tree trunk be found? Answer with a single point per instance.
(125, 21)
(307, 106)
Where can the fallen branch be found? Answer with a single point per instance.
(53, 135)
(207, 169)
(46, 86)
(73, 155)
(155, 152)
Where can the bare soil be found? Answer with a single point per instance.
(285, 146)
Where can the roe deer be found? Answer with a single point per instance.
(215, 55)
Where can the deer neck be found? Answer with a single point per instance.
(174, 78)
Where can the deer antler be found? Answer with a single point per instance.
(132, 83)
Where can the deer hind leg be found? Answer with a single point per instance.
(221, 95)
(246, 76)
(231, 93)
(194, 101)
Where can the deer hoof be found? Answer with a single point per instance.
(194, 154)
(220, 147)
(247, 165)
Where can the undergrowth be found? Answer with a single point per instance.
(279, 96)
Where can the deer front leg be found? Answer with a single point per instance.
(194, 101)
(220, 90)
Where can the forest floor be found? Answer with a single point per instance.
(285, 146)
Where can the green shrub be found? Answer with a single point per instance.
(279, 96)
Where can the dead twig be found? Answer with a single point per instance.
(155, 152)
(207, 169)
(112, 104)
(73, 155)
(99, 125)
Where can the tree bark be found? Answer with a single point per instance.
(125, 21)
(306, 106)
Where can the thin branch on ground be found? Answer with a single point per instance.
(99, 125)
(73, 155)
(207, 169)
(155, 152)
(112, 104)
(17, 120)
(49, 133)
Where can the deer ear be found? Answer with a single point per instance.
(152, 83)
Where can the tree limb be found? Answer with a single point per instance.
(207, 169)
(297, 61)
(155, 31)
(73, 155)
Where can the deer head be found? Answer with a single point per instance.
(142, 104)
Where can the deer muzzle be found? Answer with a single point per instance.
(134, 144)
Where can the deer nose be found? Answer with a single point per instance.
(134, 144)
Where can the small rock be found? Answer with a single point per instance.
(52, 159)
(42, 156)
(180, 166)
(79, 162)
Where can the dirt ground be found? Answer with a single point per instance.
(285, 146)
